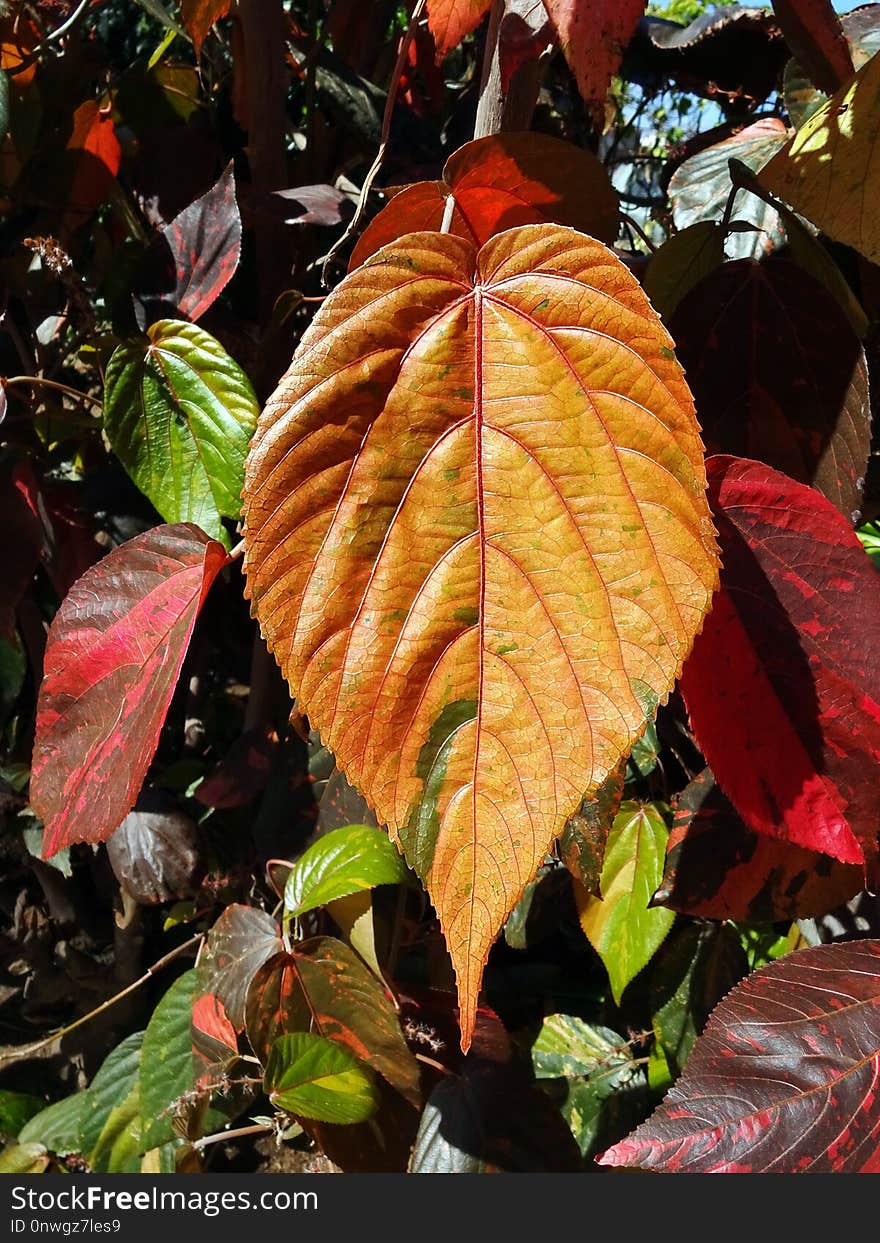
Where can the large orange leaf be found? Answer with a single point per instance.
(478, 543)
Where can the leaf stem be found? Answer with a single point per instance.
(40, 382)
(19, 1053)
(358, 216)
(237, 1133)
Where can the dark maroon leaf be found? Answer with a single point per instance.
(738, 52)
(22, 532)
(783, 683)
(321, 985)
(813, 31)
(243, 772)
(778, 374)
(582, 844)
(526, 33)
(205, 242)
(717, 868)
(236, 947)
(113, 656)
(154, 855)
(784, 1079)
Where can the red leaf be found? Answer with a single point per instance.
(209, 1018)
(22, 532)
(421, 83)
(523, 37)
(717, 868)
(198, 16)
(783, 684)
(813, 32)
(113, 656)
(234, 950)
(497, 183)
(784, 1079)
(778, 374)
(593, 35)
(450, 20)
(205, 242)
(94, 138)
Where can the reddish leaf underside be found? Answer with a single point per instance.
(450, 20)
(113, 656)
(477, 543)
(593, 35)
(234, 950)
(94, 141)
(717, 868)
(205, 243)
(783, 1080)
(783, 684)
(497, 183)
(198, 16)
(778, 374)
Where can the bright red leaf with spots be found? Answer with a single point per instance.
(113, 656)
(783, 1080)
(783, 684)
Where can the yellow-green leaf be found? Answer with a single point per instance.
(830, 170)
(624, 931)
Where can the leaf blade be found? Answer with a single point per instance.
(475, 616)
(147, 593)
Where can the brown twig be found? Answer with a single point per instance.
(358, 216)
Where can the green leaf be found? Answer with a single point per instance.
(167, 1069)
(594, 1066)
(58, 1126)
(681, 263)
(698, 966)
(118, 1148)
(869, 534)
(620, 926)
(16, 1109)
(315, 1078)
(179, 414)
(113, 1083)
(345, 861)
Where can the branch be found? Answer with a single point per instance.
(354, 223)
(500, 111)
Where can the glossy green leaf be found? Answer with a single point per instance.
(620, 926)
(58, 1126)
(345, 861)
(315, 1078)
(113, 1083)
(167, 1071)
(16, 1109)
(118, 1148)
(593, 1074)
(179, 414)
(698, 966)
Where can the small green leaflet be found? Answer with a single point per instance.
(315, 1078)
(179, 414)
(602, 1080)
(620, 926)
(346, 861)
